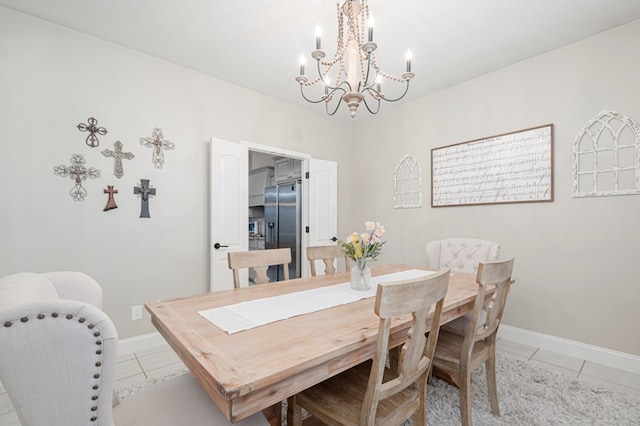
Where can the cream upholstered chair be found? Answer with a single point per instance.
(370, 393)
(460, 254)
(458, 353)
(58, 356)
(259, 260)
(328, 254)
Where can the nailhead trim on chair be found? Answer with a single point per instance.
(98, 364)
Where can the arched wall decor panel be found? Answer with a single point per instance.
(407, 184)
(606, 156)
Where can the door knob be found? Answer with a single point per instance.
(334, 239)
(218, 245)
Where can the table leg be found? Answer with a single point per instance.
(294, 412)
(273, 414)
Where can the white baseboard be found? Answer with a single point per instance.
(140, 343)
(596, 354)
(599, 355)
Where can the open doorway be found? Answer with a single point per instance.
(275, 209)
(229, 170)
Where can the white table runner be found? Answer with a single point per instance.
(254, 313)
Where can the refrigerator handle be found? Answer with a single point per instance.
(270, 229)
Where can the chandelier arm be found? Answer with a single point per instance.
(311, 100)
(367, 105)
(366, 78)
(325, 97)
(343, 83)
(319, 70)
(336, 108)
(406, 89)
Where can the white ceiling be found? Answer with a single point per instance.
(257, 43)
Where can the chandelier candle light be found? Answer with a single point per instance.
(363, 249)
(359, 77)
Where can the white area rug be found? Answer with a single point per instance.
(528, 395)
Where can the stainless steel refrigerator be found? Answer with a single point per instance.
(282, 223)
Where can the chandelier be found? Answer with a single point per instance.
(357, 78)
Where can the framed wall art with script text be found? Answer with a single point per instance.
(515, 167)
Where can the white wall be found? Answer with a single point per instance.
(576, 259)
(52, 79)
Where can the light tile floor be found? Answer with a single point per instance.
(158, 362)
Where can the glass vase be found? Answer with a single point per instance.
(360, 276)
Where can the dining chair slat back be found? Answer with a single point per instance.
(328, 254)
(370, 393)
(463, 348)
(259, 261)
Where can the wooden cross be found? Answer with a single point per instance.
(158, 143)
(92, 128)
(118, 156)
(78, 172)
(111, 202)
(145, 192)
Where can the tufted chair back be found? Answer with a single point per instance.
(58, 349)
(58, 356)
(461, 254)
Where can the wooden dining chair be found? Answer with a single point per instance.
(370, 393)
(328, 254)
(471, 340)
(259, 260)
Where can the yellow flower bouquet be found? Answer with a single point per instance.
(363, 248)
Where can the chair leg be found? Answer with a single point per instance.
(465, 396)
(490, 368)
(420, 417)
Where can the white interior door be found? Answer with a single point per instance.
(323, 202)
(229, 209)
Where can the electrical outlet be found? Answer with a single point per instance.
(136, 312)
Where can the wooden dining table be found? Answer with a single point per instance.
(249, 371)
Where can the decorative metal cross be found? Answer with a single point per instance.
(92, 128)
(158, 143)
(145, 191)
(78, 172)
(111, 202)
(118, 156)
